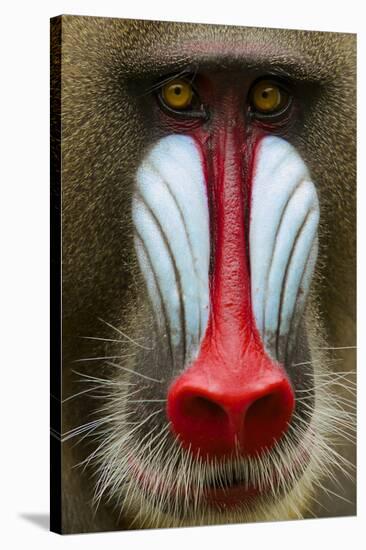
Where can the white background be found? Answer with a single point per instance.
(24, 272)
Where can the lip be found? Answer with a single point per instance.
(231, 497)
(236, 494)
(214, 497)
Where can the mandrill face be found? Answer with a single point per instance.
(213, 233)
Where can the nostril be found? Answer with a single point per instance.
(264, 409)
(266, 420)
(201, 409)
(220, 420)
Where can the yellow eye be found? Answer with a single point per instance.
(268, 97)
(177, 94)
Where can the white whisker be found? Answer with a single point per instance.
(136, 373)
(133, 341)
(103, 358)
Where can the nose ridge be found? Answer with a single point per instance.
(217, 416)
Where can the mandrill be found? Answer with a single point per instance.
(205, 182)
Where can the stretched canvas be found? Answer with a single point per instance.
(203, 274)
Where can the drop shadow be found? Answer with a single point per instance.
(40, 520)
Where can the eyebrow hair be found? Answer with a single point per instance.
(289, 69)
(286, 64)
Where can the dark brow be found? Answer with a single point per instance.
(163, 67)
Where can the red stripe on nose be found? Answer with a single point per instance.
(230, 284)
(234, 397)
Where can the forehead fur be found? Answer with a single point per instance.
(136, 46)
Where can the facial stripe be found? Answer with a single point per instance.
(303, 290)
(153, 286)
(283, 231)
(170, 212)
(170, 184)
(155, 247)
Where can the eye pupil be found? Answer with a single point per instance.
(177, 94)
(268, 97)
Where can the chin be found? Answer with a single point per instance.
(170, 486)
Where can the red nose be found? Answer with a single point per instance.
(233, 397)
(245, 410)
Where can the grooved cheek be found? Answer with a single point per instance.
(283, 243)
(170, 215)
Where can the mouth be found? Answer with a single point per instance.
(238, 492)
(237, 489)
(232, 496)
